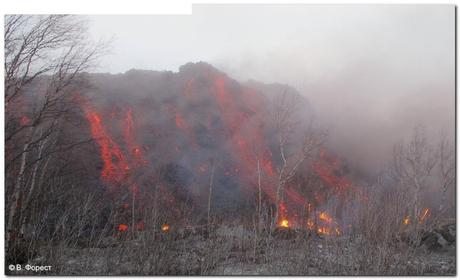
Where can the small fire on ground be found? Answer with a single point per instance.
(426, 213)
(165, 228)
(122, 227)
(284, 223)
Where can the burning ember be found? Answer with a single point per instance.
(122, 227)
(325, 217)
(324, 230)
(165, 228)
(329, 230)
(310, 224)
(284, 223)
(326, 225)
(423, 217)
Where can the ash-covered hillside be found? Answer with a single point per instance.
(176, 131)
(174, 166)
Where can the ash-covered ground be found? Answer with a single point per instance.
(234, 250)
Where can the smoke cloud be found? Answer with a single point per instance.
(370, 72)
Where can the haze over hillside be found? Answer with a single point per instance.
(287, 140)
(372, 72)
(188, 120)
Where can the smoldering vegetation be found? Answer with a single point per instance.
(195, 173)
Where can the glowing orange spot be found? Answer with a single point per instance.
(122, 227)
(165, 228)
(406, 220)
(325, 217)
(310, 224)
(24, 120)
(324, 230)
(284, 223)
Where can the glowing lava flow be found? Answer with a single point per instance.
(182, 124)
(325, 167)
(245, 128)
(115, 166)
(245, 138)
(242, 114)
(120, 162)
(133, 147)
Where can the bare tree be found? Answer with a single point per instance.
(54, 45)
(259, 196)
(48, 54)
(446, 171)
(413, 164)
(211, 181)
(286, 127)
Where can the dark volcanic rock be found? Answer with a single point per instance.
(440, 237)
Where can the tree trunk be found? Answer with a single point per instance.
(259, 206)
(26, 203)
(133, 193)
(210, 195)
(15, 205)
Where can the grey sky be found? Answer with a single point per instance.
(371, 71)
